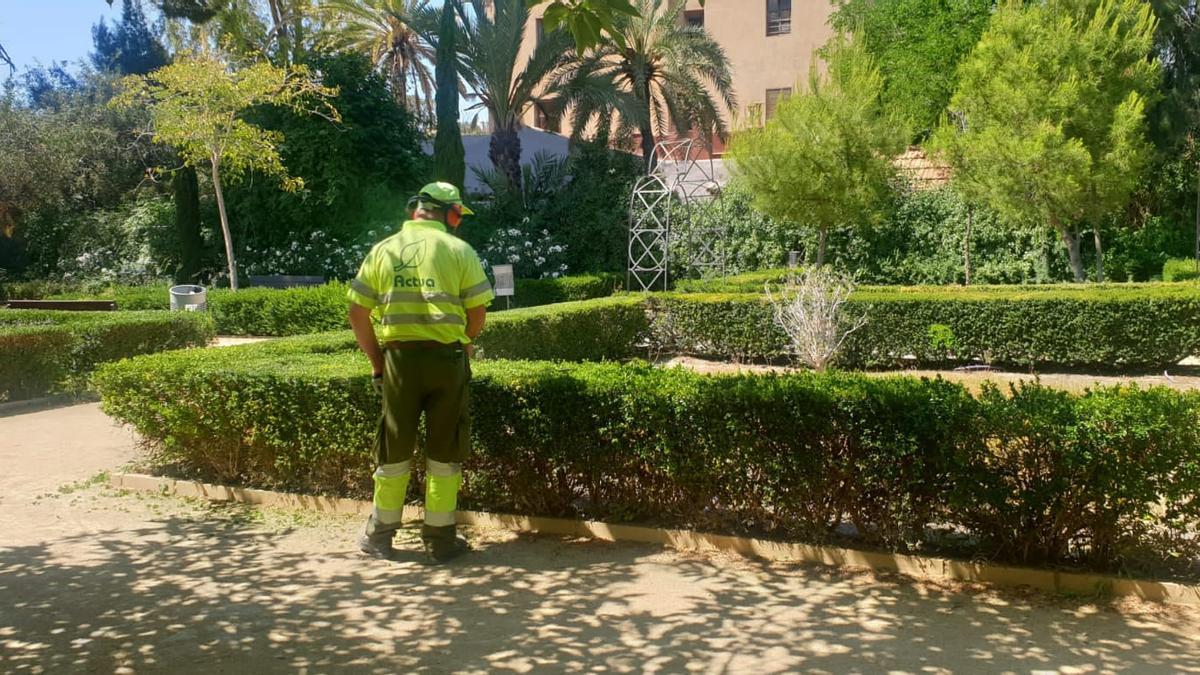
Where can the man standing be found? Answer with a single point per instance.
(429, 293)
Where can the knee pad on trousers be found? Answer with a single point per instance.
(391, 486)
(441, 492)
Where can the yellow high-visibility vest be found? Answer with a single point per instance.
(420, 282)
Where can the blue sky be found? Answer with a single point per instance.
(44, 31)
(35, 31)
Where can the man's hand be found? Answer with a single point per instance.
(469, 348)
(364, 334)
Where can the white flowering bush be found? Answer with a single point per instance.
(118, 246)
(533, 253)
(317, 254)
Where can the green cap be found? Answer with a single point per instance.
(447, 194)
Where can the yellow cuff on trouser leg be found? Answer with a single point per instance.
(441, 493)
(391, 486)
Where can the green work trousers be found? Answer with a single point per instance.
(432, 381)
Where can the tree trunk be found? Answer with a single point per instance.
(1071, 241)
(280, 29)
(505, 152)
(186, 190)
(967, 244)
(646, 128)
(1198, 217)
(216, 179)
(822, 239)
(1099, 255)
(648, 148)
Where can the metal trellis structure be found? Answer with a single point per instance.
(677, 188)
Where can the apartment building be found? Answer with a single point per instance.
(769, 43)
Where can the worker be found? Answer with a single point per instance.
(429, 294)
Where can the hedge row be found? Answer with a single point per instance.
(300, 311)
(48, 352)
(1106, 479)
(1180, 269)
(1128, 328)
(588, 330)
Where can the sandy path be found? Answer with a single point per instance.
(93, 580)
(972, 380)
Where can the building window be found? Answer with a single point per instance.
(774, 96)
(779, 17)
(547, 115)
(694, 18)
(541, 32)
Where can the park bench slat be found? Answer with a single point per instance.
(66, 305)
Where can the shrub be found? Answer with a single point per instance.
(297, 311)
(45, 352)
(536, 292)
(1112, 327)
(810, 308)
(901, 459)
(266, 311)
(605, 328)
(1180, 269)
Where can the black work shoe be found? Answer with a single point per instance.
(439, 552)
(377, 547)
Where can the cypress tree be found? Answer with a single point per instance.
(449, 157)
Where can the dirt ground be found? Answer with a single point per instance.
(1186, 380)
(96, 580)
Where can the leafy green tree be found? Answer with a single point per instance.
(917, 44)
(824, 160)
(449, 156)
(667, 73)
(198, 106)
(357, 174)
(1049, 118)
(1177, 42)
(506, 87)
(588, 21)
(130, 46)
(395, 35)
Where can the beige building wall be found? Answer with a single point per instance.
(759, 62)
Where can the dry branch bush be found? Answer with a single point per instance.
(811, 309)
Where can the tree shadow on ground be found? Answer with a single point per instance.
(183, 596)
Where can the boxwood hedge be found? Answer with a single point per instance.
(300, 311)
(44, 352)
(1115, 328)
(1108, 479)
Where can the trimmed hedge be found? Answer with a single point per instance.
(301, 311)
(601, 329)
(912, 464)
(1180, 269)
(47, 352)
(1120, 327)
(538, 292)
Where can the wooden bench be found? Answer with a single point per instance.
(68, 305)
(285, 281)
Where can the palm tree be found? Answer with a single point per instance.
(505, 87)
(396, 35)
(666, 73)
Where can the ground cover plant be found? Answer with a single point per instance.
(45, 352)
(1107, 479)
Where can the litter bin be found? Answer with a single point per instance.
(189, 298)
